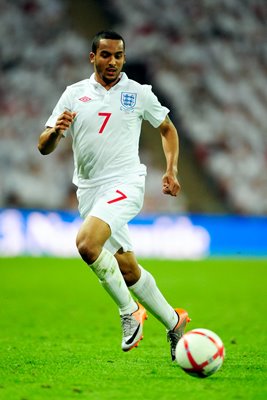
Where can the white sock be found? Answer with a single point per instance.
(108, 272)
(149, 295)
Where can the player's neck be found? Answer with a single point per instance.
(107, 85)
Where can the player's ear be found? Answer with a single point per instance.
(92, 57)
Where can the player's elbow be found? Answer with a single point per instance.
(43, 150)
(167, 128)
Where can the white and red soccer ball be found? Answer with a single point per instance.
(200, 352)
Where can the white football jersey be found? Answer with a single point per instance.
(107, 127)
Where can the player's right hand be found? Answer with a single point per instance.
(64, 121)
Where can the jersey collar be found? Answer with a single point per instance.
(122, 81)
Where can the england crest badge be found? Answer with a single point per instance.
(128, 101)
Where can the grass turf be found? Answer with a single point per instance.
(60, 332)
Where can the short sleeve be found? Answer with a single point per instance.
(154, 112)
(64, 103)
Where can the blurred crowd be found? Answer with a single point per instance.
(208, 57)
(39, 56)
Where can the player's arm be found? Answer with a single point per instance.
(50, 138)
(170, 145)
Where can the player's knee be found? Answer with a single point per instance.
(130, 278)
(130, 275)
(87, 249)
(129, 267)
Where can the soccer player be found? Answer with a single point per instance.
(103, 115)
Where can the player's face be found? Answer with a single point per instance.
(108, 61)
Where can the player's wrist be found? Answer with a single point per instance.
(172, 171)
(56, 132)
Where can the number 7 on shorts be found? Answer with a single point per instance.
(121, 196)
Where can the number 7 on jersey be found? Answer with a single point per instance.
(107, 116)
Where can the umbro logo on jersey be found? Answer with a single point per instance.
(85, 99)
(128, 100)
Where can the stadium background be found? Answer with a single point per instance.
(206, 60)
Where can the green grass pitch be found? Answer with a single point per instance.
(60, 332)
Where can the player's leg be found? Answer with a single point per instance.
(144, 287)
(91, 237)
(90, 241)
(109, 214)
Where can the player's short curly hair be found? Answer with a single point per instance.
(105, 35)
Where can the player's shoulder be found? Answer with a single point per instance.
(78, 85)
(137, 87)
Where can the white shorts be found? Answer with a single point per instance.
(115, 203)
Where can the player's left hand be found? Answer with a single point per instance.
(170, 184)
